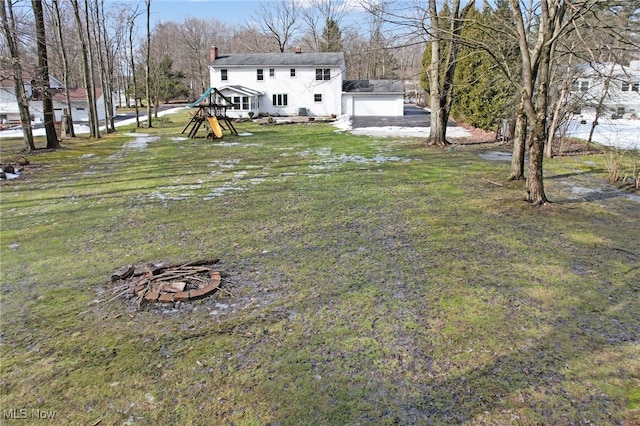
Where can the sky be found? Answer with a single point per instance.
(227, 11)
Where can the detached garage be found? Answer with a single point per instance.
(373, 98)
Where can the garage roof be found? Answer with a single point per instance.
(373, 86)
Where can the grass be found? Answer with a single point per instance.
(368, 281)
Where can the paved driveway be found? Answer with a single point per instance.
(413, 117)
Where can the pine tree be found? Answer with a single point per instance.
(331, 37)
(483, 95)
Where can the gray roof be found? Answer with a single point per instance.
(373, 86)
(330, 59)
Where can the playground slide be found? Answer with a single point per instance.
(202, 98)
(215, 127)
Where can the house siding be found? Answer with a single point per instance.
(589, 87)
(300, 90)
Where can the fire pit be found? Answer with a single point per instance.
(168, 283)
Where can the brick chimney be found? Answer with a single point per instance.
(213, 54)
(298, 49)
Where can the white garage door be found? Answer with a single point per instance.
(375, 105)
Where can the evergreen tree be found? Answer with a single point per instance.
(170, 83)
(331, 37)
(483, 95)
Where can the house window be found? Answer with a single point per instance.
(292, 72)
(317, 97)
(635, 87)
(223, 75)
(236, 102)
(584, 86)
(245, 102)
(323, 74)
(280, 99)
(272, 72)
(260, 74)
(625, 86)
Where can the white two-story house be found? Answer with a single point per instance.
(279, 83)
(298, 83)
(615, 87)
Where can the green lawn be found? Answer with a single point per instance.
(366, 281)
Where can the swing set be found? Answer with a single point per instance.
(211, 112)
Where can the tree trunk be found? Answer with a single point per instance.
(441, 86)
(133, 67)
(519, 145)
(535, 181)
(437, 132)
(65, 69)
(535, 186)
(110, 68)
(9, 29)
(93, 105)
(535, 78)
(97, 36)
(43, 76)
(88, 84)
(148, 67)
(557, 110)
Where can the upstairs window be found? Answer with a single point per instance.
(272, 72)
(292, 72)
(625, 86)
(580, 86)
(317, 97)
(223, 75)
(323, 74)
(635, 87)
(260, 74)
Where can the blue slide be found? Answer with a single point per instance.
(202, 98)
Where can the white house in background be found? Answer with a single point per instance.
(10, 113)
(617, 85)
(79, 105)
(297, 84)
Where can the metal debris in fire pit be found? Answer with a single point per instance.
(168, 283)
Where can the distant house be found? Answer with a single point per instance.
(10, 113)
(618, 87)
(298, 84)
(79, 106)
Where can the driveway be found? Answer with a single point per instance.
(413, 117)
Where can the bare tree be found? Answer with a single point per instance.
(43, 76)
(315, 16)
(444, 28)
(86, 72)
(195, 38)
(105, 62)
(65, 67)
(131, 19)
(148, 65)
(9, 31)
(279, 21)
